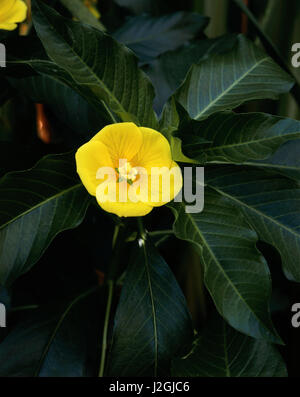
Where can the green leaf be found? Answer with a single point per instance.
(36, 205)
(80, 11)
(70, 107)
(237, 138)
(168, 72)
(136, 6)
(107, 70)
(285, 161)
(60, 84)
(267, 42)
(17, 157)
(169, 123)
(235, 273)
(270, 204)
(150, 37)
(152, 324)
(220, 351)
(30, 69)
(54, 341)
(223, 82)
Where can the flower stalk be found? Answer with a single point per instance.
(117, 244)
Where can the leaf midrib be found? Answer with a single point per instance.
(225, 350)
(54, 197)
(144, 38)
(100, 82)
(243, 204)
(272, 165)
(244, 75)
(222, 270)
(153, 310)
(247, 143)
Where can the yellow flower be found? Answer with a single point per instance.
(129, 169)
(11, 13)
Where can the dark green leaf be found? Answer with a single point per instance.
(81, 12)
(223, 82)
(152, 323)
(72, 109)
(137, 6)
(52, 76)
(270, 47)
(168, 72)
(35, 205)
(235, 273)
(286, 161)
(16, 157)
(27, 61)
(169, 124)
(221, 351)
(150, 36)
(54, 341)
(107, 70)
(237, 138)
(270, 204)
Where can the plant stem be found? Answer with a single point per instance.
(27, 307)
(161, 232)
(118, 240)
(141, 228)
(162, 240)
(110, 284)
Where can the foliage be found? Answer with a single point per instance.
(160, 72)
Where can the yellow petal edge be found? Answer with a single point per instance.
(147, 156)
(11, 13)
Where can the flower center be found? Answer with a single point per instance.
(127, 172)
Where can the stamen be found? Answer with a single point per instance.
(127, 172)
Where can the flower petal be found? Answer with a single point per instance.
(168, 186)
(8, 26)
(123, 140)
(126, 209)
(89, 158)
(113, 204)
(149, 154)
(6, 5)
(154, 152)
(12, 12)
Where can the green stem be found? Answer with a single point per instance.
(27, 307)
(141, 228)
(162, 240)
(161, 232)
(105, 329)
(117, 243)
(115, 236)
